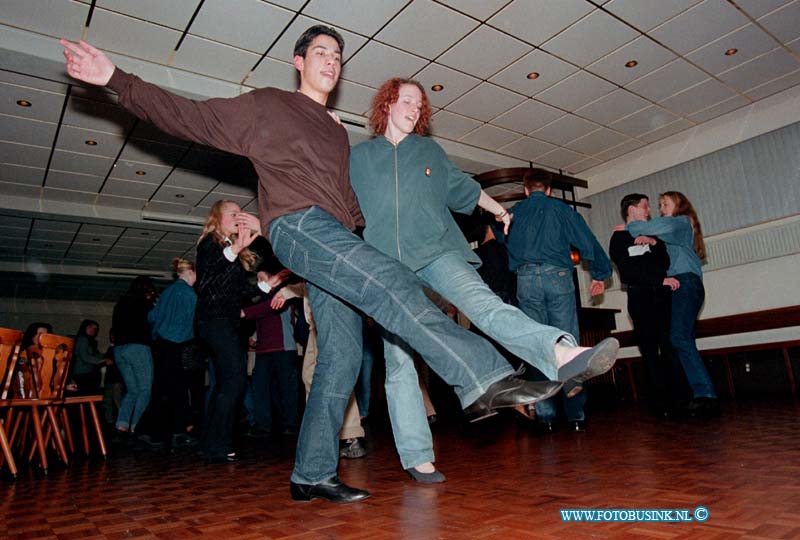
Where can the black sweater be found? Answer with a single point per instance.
(130, 321)
(221, 284)
(648, 269)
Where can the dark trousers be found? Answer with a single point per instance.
(88, 383)
(650, 308)
(170, 399)
(276, 370)
(230, 369)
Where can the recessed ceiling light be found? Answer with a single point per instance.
(179, 195)
(90, 142)
(24, 103)
(532, 75)
(731, 51)
(140, 173)
(631, 63)
(437, 87)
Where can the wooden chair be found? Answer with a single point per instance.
(81, 403)
(10, 341)
(44, 373)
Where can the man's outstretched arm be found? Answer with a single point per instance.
(226, 124)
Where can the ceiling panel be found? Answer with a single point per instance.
(426, 29)
(565, 129)
(527, 148)
(490, 137)
(668, 80)
(612, 107)
(528, 116)
(19, 174)
(551, 17)
(647, 54)
(645, 120)
(575, 91)
(592, 37)
(363, 16)
(375, 63)
(484, 52)
(175, 14)
(548, 69)
(132, 37)
(28, 131)
(215, 59)
(452, 126)
(698, 25)
(713, 57)
(455, 84)
(258, 24)
(485, 102)
(44, 105)
(647, 14)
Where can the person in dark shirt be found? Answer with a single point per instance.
(643, 269)
(132, 353)
(224, 259)
(539, 248)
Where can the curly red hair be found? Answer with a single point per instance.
(388, 94)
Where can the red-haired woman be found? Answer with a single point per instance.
(680, 230)
(407, 187)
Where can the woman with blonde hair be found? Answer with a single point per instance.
(679, 228)
(172, 321)
(224, 259)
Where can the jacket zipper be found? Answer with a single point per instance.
(397, 205)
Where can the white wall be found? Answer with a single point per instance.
(65, 316)
(766, 284)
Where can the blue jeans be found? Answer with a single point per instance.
(686, 303)
(364, 385)
(135, 363)
(344, 273)
(546, 293)
(454, 278)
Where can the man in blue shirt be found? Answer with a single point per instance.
(539, 244)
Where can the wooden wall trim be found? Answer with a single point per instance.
(741, 323)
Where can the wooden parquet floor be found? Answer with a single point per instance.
(504, 482)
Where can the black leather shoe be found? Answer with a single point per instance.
(227, 458)
(703, 408)
(332, 489)
(510, 392)
(590, 363)
(352, 448)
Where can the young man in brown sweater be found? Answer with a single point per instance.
(306, 205)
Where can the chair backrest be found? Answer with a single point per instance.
(10, 342)
(48, 365)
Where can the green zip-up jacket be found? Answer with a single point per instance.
(406, 193)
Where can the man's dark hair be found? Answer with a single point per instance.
(630, 200)
(537, 179)
(302, 43)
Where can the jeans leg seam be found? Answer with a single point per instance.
(396, 300)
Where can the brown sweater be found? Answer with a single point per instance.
(299, 152)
